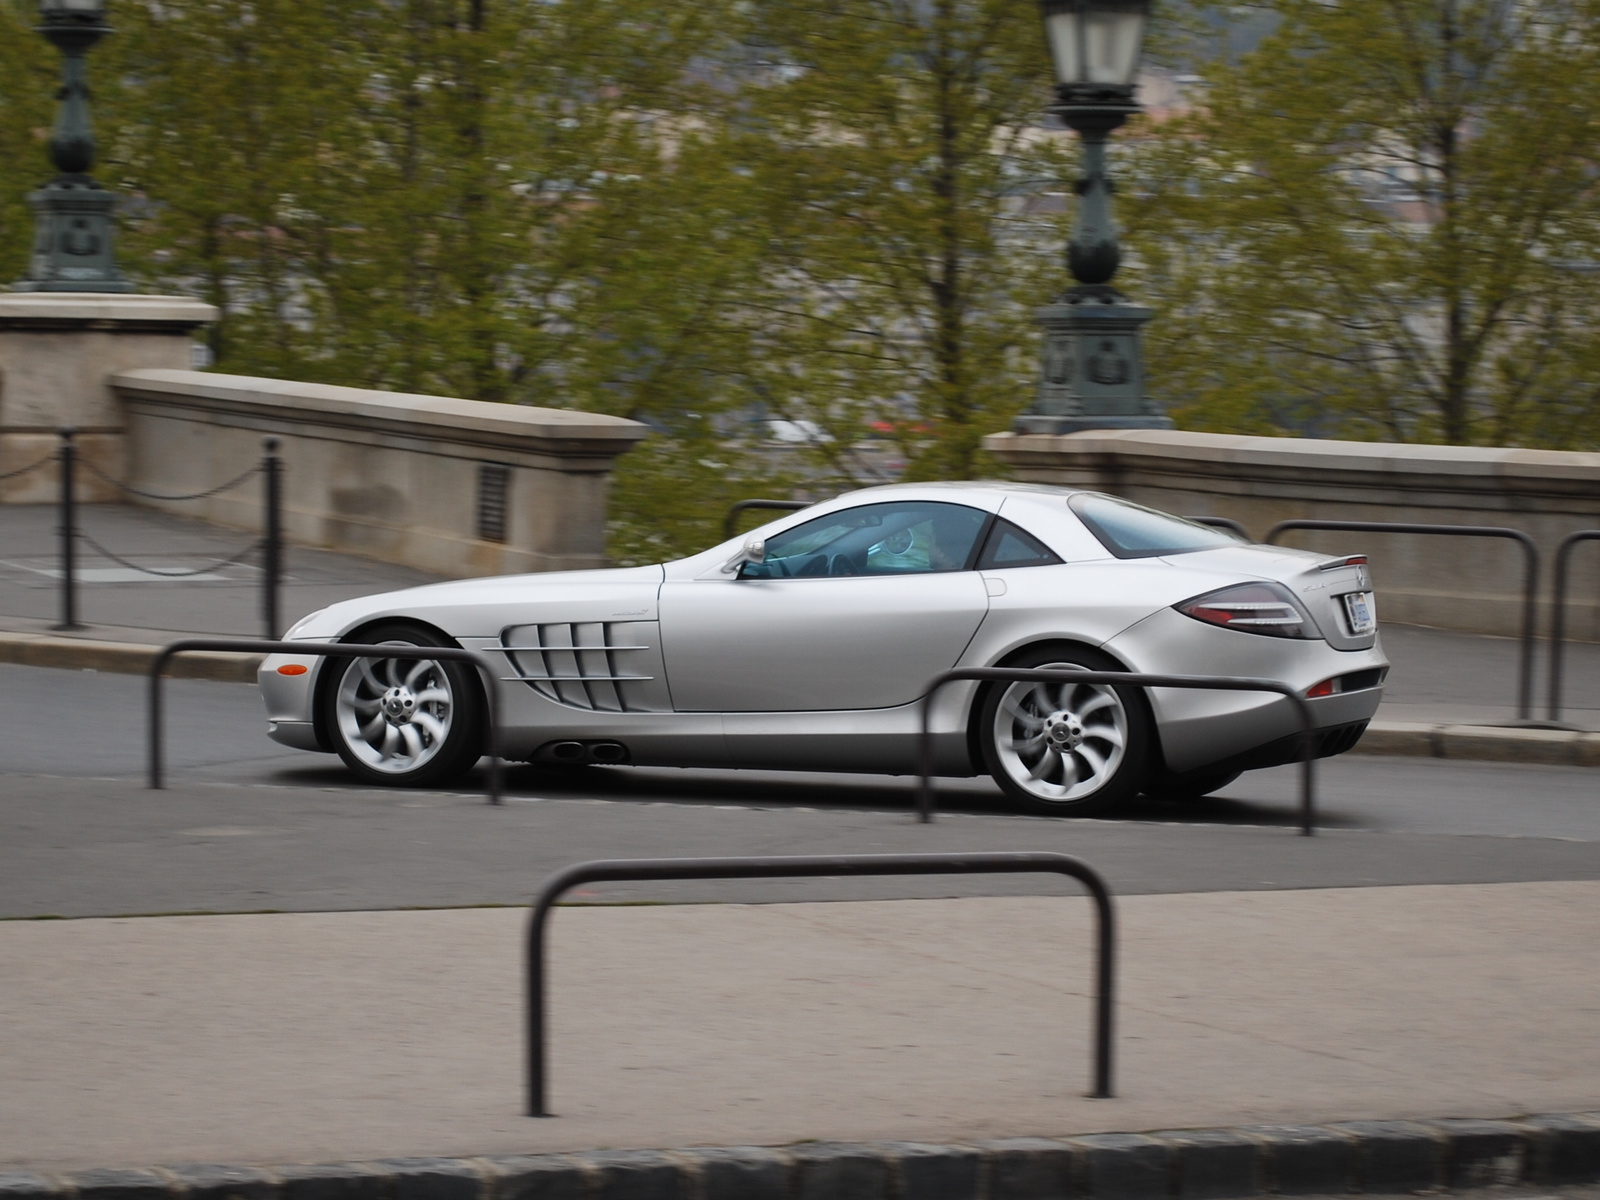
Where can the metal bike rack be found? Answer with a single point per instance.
(1227, 523)
(814, 867)
(1530, 577)
(1558, 615)
(1224, 683)
(729, 521)
(493, 696)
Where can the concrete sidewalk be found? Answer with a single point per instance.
(307, 1037)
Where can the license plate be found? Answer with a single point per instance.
(1361, 612)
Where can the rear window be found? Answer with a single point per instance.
(1134, 531)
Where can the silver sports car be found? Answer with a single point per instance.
(807, 645)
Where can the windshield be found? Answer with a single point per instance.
(1134, 531)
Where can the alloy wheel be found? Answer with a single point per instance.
(1060, 742)
(394, 714)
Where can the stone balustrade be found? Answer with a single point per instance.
(1455, 583)
(461, 487)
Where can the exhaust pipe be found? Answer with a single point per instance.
(608, 752)
(569, 752)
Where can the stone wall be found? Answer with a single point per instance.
(389, 475)
(56, 350)
(1454, 583)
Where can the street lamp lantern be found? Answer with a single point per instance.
(72, 10)
(1092, 374)
(1095, 44)
(72, 249)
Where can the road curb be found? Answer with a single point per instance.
(1369, 1157)
(1490, 743)
(123, 658)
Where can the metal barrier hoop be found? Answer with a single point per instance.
(822, 866)
(740, 506)
(1530, 577)
(1558, 615)
(1227, 523)
(1226, 683)
(493, 696)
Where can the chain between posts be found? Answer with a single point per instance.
(1530, 577)
(33, 466)
(270, 544)
(1226, 683)
(815, 867)
(493, 695)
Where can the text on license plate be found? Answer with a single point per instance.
(1361, 612)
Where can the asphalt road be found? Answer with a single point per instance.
(249, 826)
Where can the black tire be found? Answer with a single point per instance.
(1184, 789)
(400, 722)
(1021, 725)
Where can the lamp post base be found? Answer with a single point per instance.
(1092, 373)
(72, 246)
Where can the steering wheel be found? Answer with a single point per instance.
(843, 564)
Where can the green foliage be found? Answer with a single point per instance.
(711, 216)
(29, 76)
(703, 216)
(1369, 228)
(897, 149)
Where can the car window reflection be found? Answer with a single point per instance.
(907, 538)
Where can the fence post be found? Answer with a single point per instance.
(272, 534)
(68, 529)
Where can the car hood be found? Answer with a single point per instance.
(482, 607)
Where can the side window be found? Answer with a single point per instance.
(1008, 546)
(912, 537)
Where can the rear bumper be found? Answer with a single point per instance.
(1201, 729)
(1326, 742)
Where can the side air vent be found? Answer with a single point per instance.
(601, 666)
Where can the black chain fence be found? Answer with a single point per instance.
(268, 547)
(33, 466)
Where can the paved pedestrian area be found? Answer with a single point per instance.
(307, 1037)
(119, 602)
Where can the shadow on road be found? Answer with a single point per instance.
(775, 789)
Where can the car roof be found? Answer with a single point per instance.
(971, 489)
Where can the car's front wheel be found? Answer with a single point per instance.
(1068, 749)
(401, 720)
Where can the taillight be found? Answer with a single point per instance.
(1252, 608)
(1325, 688)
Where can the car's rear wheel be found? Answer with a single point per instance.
(404, 721)
(1068, 749)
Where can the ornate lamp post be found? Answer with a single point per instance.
(1092, 373)
(72, 249)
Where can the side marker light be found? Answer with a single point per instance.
(291, 669)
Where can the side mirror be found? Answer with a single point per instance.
(753, 551)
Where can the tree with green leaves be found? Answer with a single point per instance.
(707, 217)
(1380, 223)
(900, 150)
